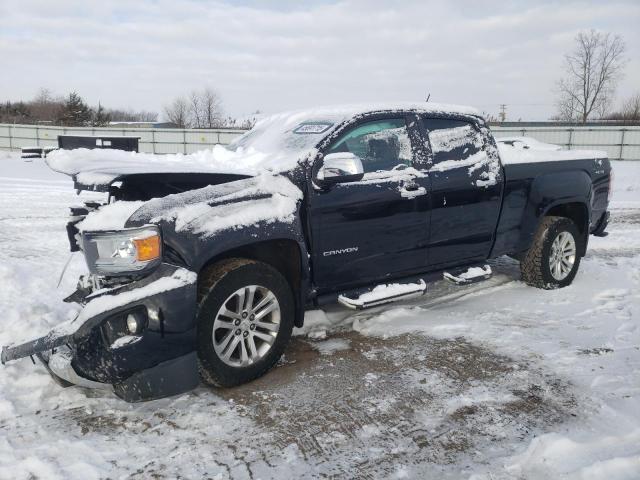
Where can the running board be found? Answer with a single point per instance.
(469, 275)
(382, 294)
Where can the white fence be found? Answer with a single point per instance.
(152, 140)
(620, 143)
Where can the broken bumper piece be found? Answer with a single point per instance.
(96, 350)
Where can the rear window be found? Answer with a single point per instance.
(452, 139)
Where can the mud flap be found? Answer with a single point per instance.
(599, 231)
(166, 379)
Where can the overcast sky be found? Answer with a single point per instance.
(284, 55)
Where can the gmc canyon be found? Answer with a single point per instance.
(199, 266)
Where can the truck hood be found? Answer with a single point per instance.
(98, 169)
(204, 212)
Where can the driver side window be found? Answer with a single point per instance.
(380, 144)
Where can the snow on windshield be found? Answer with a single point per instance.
(285, 132)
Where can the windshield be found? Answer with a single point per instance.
(287, 135)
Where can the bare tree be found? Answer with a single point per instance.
(211, 108)
(178, 112)
(196, 113)
(45, 107)
(592, 73)
(630, 110)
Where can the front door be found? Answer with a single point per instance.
(375, 228)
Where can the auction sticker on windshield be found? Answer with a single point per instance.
(315, 127)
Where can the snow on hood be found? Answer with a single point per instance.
(108, 217)
(103, 166)
(264, 198)
(528, 150)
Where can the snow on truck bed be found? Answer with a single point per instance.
(529, 150)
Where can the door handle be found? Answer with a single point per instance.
(412, 190)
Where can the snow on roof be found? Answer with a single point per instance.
(338, 113)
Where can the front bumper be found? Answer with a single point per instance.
(159, 361)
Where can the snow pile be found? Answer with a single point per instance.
(206, 211)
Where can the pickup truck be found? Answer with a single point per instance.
(199, 266)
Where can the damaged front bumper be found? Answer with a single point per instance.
(96, 350)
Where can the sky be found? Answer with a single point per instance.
(282, 55)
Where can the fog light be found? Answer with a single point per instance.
(134, 323)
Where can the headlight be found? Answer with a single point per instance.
(122, 252)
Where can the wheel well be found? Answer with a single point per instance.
(578, 213)
(283, 255)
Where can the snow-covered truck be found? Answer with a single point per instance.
(199, 266)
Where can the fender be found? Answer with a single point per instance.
(527, 202)
(549, 191)
(217, 225)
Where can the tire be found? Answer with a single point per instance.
(218, 288)
(535, 265)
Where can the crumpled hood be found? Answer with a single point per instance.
(99, 168)
(205, 212)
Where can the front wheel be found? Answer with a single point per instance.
(553, 259)
(245, 319)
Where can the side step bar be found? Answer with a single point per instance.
(382, 294)
(468, 275)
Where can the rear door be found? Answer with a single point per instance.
(466, 190)
(375, 228)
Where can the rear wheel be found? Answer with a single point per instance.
(245, 319)
(553, 259)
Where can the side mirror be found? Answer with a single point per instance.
(340, 167)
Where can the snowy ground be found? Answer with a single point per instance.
(490, 381)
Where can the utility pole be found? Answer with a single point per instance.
(503, 112)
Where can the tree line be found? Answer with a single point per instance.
(69, 111)
(200, 109)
